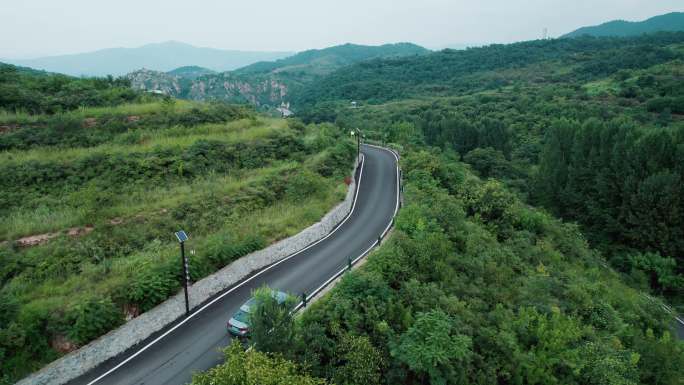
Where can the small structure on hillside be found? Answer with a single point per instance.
(284, 110)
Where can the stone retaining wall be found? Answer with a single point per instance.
(140, 328)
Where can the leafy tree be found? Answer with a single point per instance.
(488, 162)
(550, 345)
(661, 272)
(433, 349)
(404, 132)
(660, 358)
(271, 323)
(359, 362)
(254, 367)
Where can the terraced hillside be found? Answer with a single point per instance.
(91, 199)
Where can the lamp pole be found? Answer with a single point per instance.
(358, 144)
(182, 237)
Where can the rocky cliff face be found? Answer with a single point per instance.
(259, 90)
(148, 80)
(264, 84)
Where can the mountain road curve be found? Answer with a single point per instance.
(193, 344)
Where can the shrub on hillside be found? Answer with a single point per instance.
(92, 319)
(336, 160)
(151, 285)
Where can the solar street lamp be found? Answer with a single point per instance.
(182, 237)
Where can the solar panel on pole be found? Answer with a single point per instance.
(182, 237)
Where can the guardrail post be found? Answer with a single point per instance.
(304, 299)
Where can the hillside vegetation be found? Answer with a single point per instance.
(476, 285)
(450, 72)
(671, 22)
(323, 61)
(267, 84)
(191, 72)
(540, 237)
(473, 287)
(91, 199)
(36, 92)
(591, 129)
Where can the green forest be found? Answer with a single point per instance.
(591, 129)
(543, 202)
(540, 239)
(473, 287)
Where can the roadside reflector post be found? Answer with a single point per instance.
(182, 237)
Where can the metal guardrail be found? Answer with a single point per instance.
(657, 301)
(307, 297)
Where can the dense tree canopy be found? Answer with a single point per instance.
(452, 72)
(40, 92)
(589, 128)
(479, 287)
(476, 287)
(252, 367)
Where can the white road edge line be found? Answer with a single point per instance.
(663, 306)
(365, 252)
(122, 363)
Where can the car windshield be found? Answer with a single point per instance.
(242, 316)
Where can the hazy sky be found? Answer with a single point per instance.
(47, 27)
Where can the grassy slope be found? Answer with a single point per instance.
(235, 186)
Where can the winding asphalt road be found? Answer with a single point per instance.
(194, 346)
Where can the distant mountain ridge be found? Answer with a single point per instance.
(326, 60)
(671, 22)
(159, 56)
(191, 72)
(266, 84)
